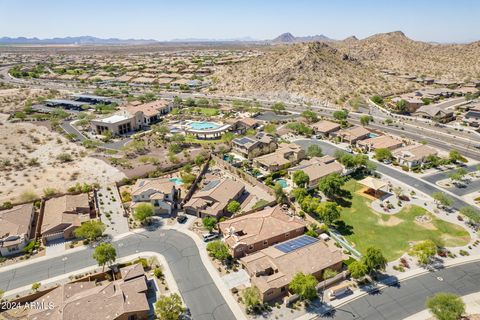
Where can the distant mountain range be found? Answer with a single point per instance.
(290, 38)
(82, 40)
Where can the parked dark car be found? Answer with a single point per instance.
(182, 219)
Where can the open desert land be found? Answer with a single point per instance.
(34, 159)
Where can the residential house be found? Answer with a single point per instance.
(380, 142)
(272, 269)
(255, 231)
(160, 192)
(324, 128)
(413, 155)
(122, 299)
(285, 156)
(353, 134)
(241, 126)
(435, 113)
(411, 103)
(16, 226)
(132, 117)
(213, 199)
(62, 215)
(253, 146)
(472, 118)
(318, 167)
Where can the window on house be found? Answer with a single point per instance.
(250, 247)
(287, 234)
(265, 242)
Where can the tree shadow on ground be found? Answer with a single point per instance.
(343, 228)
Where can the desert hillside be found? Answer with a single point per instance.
(338, 71)
(399, 53)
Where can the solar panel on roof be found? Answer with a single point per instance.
(243, 140)
(296, 243)
(211, 185)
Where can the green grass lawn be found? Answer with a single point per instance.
(392, 233)
(204, 111)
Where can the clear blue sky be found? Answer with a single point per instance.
(428, 20)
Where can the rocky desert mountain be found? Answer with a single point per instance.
(338, 71)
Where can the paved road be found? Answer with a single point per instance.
(469, 186)
(395, 303)
(384, 169)
(194, 282)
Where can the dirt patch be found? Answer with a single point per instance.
(363, 192)
(426, 225)
(33, 158)
(392, 221)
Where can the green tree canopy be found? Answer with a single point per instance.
(301, 179)
(90, 230)
(251, 297)
(143, 211)
(374, 260)
(304, 285)
(424, 251)
(331, 185)
(328, 212)
(378, 100)
(233, 206)
(365, 120)
(209, 223)
(278, 107)
(310, 115)
(314, 150)
(340, 115)
(105, 254)
(279, 194)
(456, 156)
(442, 199)
(470, 213)
(169, 307)
(270, 128)
(446, 306)
(357, 269)
(218, 250)
(382, 154)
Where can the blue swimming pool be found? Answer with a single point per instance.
(372, 135)
(203, 125)
(177, 181)
(282, 182)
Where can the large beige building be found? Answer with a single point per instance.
(272, 269)
(255, 231)
(132, 117)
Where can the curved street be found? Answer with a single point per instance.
(198, 290)
(408, 298)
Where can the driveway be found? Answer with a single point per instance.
(199, 291)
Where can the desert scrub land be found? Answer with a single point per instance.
(16, 99)
(35, 160)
